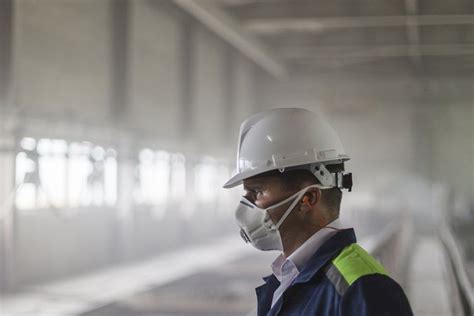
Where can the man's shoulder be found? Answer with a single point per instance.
(362, 282)
(375, 294)
(351, 264)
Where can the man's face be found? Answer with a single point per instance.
(265, 191)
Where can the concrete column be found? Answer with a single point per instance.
(119, 103)
(7, 210)
(425, 115)
(6, 40)
(229, 94)
(127, 164)
(7, 150)
(119, 58)
(186, 71)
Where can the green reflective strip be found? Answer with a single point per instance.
(354, 262)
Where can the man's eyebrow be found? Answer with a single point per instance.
(253, 186)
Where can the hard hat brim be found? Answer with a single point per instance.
(238, 178)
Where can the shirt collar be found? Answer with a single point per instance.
(277, 266)
(301, 255)
(318, 260)
(326, 253)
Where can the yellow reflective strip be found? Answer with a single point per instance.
(354, 262)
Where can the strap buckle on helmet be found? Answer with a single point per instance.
(343, 180)
(347, 181)
(323, 175)
(338, 180)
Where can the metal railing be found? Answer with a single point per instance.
(456, 257)
(375, 243)
(391, 246)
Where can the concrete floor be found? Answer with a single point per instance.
(227, 290)
(431, 287)
(195, 275)
(214, 280)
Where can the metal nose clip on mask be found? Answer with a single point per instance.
(256, 226)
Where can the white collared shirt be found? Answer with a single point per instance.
(287, 269)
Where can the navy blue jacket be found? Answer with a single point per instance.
(319, 289)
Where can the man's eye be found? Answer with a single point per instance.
(254, 193)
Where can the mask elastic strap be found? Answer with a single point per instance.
(298, 197)
(288, 211)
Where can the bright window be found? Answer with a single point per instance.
(53, 173)
(96, 177)
(27, 175)
(80, 167)
(206, 179)
(226, 197)
(154, 177)
(110, 177)
(178, 176)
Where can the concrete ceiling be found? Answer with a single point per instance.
(422, 36)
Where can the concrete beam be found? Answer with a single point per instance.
(310, 8)
(230, 31)
(269, 26)
(386, 51)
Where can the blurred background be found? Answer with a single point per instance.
(119, 122)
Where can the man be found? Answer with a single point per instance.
(291, 165)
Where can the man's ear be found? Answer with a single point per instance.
(310, 199)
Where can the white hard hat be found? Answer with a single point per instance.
(284, 138)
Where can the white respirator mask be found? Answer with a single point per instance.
(256, 226)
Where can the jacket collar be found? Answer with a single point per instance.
(265, 294)
(325, 253)
(318, 260)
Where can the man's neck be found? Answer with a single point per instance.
(296, 240)
(295, 244)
